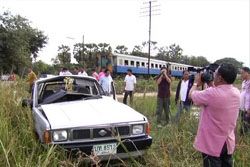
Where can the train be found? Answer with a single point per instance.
(139, 65)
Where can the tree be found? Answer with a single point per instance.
(40, 67)
(104, 56)
(19, 42)
(163, 54)
(152, 44)
(230, 60)
(78, 53)
(175, 53)
(64, 55)
(137, 51)
(121, 49)
(202, 61)
(93, 55)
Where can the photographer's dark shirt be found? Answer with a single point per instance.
(163, 89)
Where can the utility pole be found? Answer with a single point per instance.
(149, 13)
(82, 55)
(149, 38)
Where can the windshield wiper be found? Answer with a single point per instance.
(93, 97)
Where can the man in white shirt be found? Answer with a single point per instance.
(182, 92)
(82, 72)
(106, 81)
(130, 81)
(65, 71)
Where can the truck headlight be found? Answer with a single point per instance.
(60, 135)
(137, 129)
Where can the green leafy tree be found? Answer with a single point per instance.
(137, 51)
(175, 53)
(202, 61)
(19, 42)
(40, 67)
(64, 55)
(233, 61)
(121, 49)
(104, 55)
(152, 44)
(185, 59)
(78, 52)
(93, 55)
(163, 54)
(55, 61)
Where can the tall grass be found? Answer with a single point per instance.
(172, 144)
(18, 143)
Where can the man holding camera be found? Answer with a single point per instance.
(220, 104)
(163, 97)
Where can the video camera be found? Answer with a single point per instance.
(207, 74)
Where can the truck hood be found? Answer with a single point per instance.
(90, 112)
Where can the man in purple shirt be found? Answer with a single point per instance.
(245, 100)
(163, 97)
(220, 104)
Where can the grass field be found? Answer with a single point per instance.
(172, 144)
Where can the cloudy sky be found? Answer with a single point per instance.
(211, 28)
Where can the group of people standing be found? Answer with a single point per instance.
(105, 80)
(182, 100)
(221, 103)
(129, 87)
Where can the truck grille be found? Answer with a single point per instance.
(81, 134)
(96, 133)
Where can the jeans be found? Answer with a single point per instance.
(130, 93)
(162, 104)
(180, 107)
(225, 160)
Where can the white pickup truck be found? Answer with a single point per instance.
(75, 113)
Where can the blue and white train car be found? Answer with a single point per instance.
(139, 65)
(177, 69)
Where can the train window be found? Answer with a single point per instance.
(120, 62)
(175, 68)
(132, 63)
(181, 68)
(160, 66)
(152, 65)
(156, 65)
(142, 64)
(137, 64)
(126, 62)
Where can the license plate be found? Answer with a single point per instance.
(105, 149)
